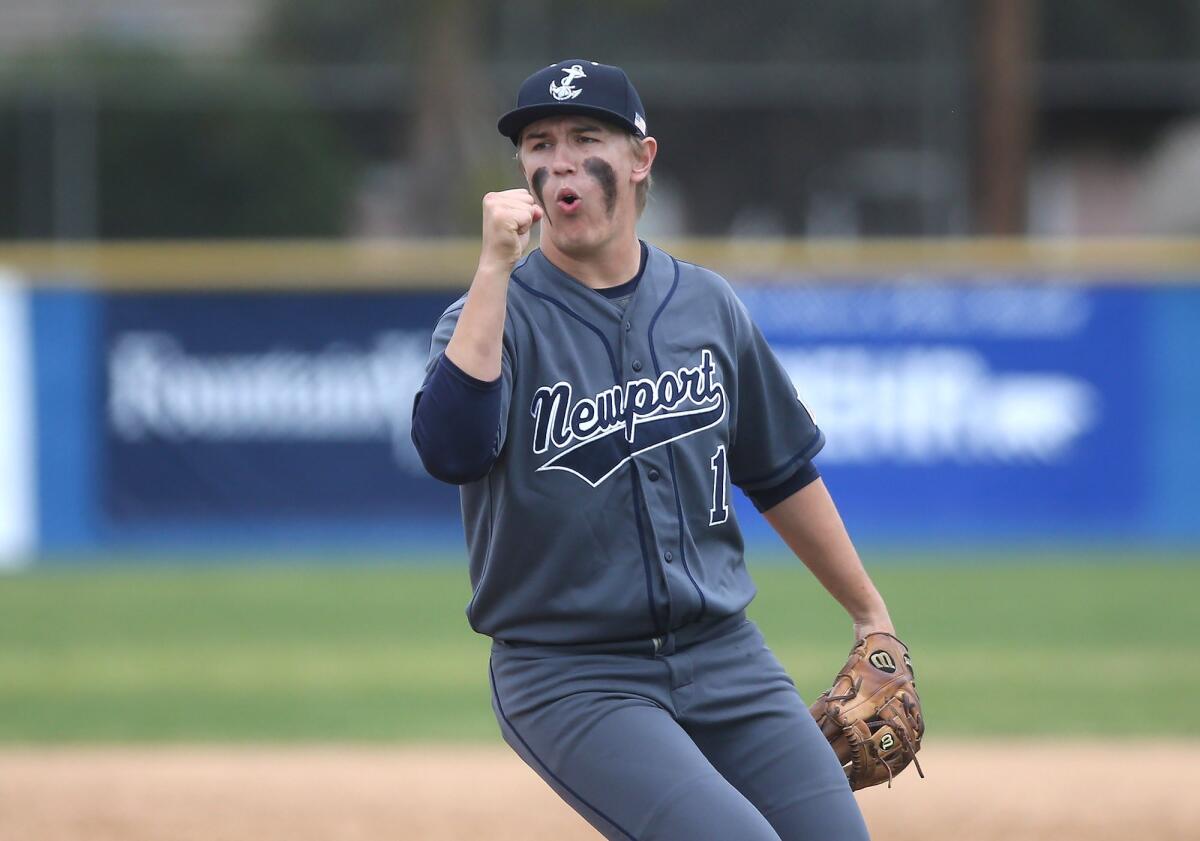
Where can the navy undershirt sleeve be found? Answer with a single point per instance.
(768, 498)
(456, 424)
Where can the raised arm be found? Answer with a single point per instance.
(508, 219)
(458, 413)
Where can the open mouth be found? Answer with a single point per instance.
(568, 200)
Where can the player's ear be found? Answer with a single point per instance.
(643, 159)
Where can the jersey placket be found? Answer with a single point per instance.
(653, 475)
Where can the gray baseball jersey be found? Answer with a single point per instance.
(607, 514)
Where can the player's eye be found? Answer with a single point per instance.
(541, 144)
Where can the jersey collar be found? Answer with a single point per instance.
(653, 284)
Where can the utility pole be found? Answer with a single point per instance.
(1005, 70)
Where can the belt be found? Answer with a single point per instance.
(669, 643)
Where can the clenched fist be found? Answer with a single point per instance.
(508, 218)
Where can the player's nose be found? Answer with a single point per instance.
(563, 162)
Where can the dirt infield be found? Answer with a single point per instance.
(990, 791)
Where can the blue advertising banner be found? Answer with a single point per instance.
(261, 410)
(955, 412)
(961, 410)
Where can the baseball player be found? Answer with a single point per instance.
(596, 401)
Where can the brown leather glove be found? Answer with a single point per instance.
(872, 715)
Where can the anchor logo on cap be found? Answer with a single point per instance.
(563, 90)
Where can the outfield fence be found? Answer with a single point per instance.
(188, 396)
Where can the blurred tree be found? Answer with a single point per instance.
(172, 152)
(319, 32)
(439, 155)
(641, 31)
(722, 83)
(1117, 30)
(450, 107)
(853, 118)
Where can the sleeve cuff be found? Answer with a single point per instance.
(770, 480)
(768, 498)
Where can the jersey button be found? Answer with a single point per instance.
(637, 365)
(652, 475)
(628, 326)
(668, 556)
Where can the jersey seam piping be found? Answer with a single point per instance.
(671, 447)
(808, 451)
(612, 359)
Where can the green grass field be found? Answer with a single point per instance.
(1056, 647)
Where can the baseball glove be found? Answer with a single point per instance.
(872, 715)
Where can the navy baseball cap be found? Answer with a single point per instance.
(576, 86)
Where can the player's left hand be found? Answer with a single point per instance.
(872, 715)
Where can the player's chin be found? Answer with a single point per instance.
(573, 236)
(581, 248)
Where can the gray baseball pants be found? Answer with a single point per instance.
(698, 736)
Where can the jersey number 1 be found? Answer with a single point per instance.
(720, 506)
